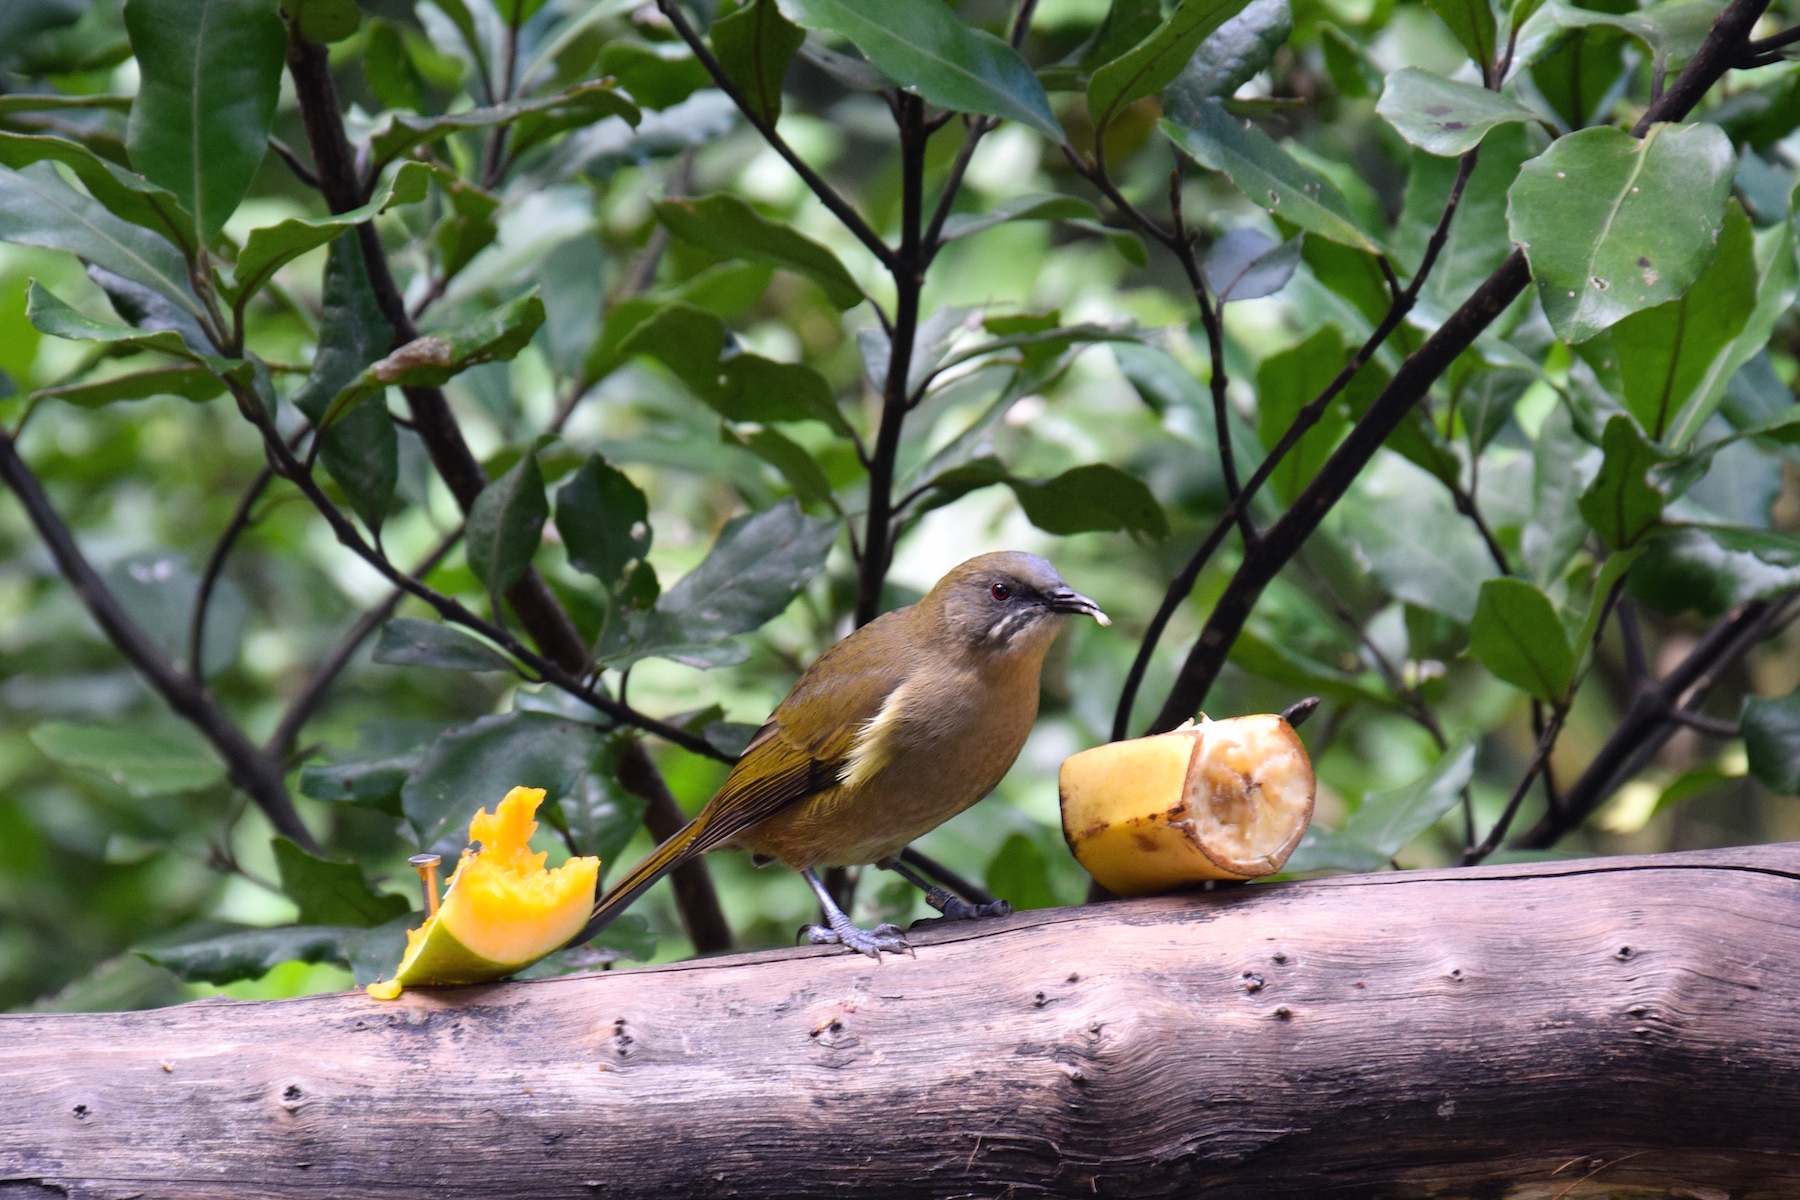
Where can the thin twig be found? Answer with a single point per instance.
(240, 521)
(301, 171)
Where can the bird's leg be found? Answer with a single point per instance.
(954, 907)
(840, 931)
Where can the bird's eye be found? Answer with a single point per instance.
(1000, 592)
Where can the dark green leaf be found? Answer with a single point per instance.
(332, 893)
(190, 383)
(324, 21)
(1268, 175)
(1388, 821)
(1020, 874)
(799, 468)
(1152, 64)
(754, 570)
(1622, 504)
(1245, 265)
(1614, 224)
(126, 195)
(1348, 64)
(1671, 355)
(920, 45)
(755, 44)
(740, 387)
(158, 592)
(604, 521)
(1442, 116)
(1269, 659)
(1096, 498)
(210, 73)
(390, 70)
(50, 315)
(1285, 383)
(408, 643)
(601, 814)
(1328, 850)
(1477, 241)
(38, 209)
(1472, 21)
(360, 449)
(505, 525)
(251, 953)
(375, 784)
(727, 226)
(142, 762)
(1561, 470)
(1517, 636)
(1672, 30)
(1229, 58)
(573, 276)
(1713, 569)
(583, 104)
(270, 248)
(475, 766)
(435, 358)
(658, 76)
(1422, 550)
(1771, 731)
(1032, 207)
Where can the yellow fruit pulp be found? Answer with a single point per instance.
(502, 910)
(1220, 800)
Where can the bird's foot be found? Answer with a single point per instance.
(864, 941)
(955, 908)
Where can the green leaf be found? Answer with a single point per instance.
(50, 315)
(1285, 383)
(1622, 505)
(921, 46)
(1442, 116)
(1611, 571)
(1229, 57)
(1031, 207)
(143, 763)
(729, 227)
(408, 643)
(1387, 822)
(1672, 352)
(1713, 569)
(272, 247)
(1672, 30)
(1517, 636)
(1348, 64)
(374, 784)
(741, 387)
(1561, 469)
(755, 44)
(188, 382)
(659, 76)
(127, 196)
(505, 525)
(601, 814)
(1771, 731)
(475, 766)
(332, 893)
(1329, 850)
(1477, 241)
(435, 358)
(539, 119)
(1020, 874)
(801, 470)
(1268, 175)
(360, 449)
(1614, 224)
(754, 570)
(1423, 551)
(38, 209)
(1152, 64)
(324, 21)
(604, 521)
(210, 73)
(393, 76)
(1472, 21)
(1269, 659)
(158, 591)
(1245, 265)
(250, 953)
(1096, 498)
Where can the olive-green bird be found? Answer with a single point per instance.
(890, 733)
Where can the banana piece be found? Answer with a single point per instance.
(1218, 800)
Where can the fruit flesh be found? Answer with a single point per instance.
(1218, 800)
(502, 910)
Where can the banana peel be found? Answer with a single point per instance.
(1217, 800)
(502, 910)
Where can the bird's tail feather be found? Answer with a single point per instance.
(665, 858)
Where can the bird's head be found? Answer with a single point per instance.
(1007, 601)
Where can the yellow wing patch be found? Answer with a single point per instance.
(874, 748)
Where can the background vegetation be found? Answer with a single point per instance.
(1536, 616)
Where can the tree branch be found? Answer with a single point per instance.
(240, 521)
(258, 775)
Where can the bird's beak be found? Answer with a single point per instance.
(1065, 600)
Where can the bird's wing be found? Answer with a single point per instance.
(805, 746)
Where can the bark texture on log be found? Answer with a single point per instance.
(1607, 1027)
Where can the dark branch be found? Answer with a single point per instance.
(240, 521)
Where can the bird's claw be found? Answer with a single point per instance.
(871, 942)
(955, 908)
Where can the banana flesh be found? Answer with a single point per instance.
(1217, 800)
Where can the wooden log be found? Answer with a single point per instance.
(1616, 1027)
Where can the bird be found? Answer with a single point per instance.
(892, 731)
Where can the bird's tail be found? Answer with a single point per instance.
(665, 858)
